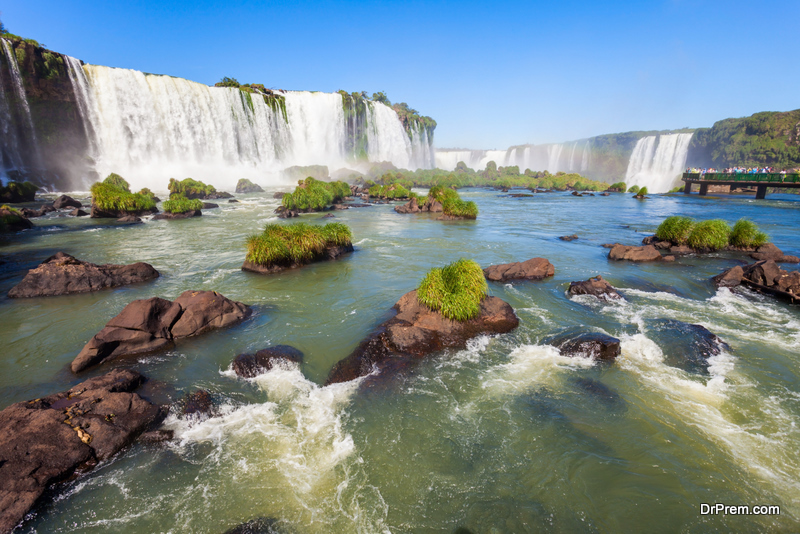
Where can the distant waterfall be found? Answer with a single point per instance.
(657, 161)
(11, 146)
(566, 157)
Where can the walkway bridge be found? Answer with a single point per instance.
(759, 181)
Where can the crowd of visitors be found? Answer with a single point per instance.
(734, 170)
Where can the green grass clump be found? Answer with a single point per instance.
(746, 234)
(633, 189)
(283, 244)
(315, 195)
(393, 191)
(643, 191)
(181, 204)
(452, 204)
(712, 235)
(190, 188)
(114, 194)
(675, 229)
(17, 190)
(455, 290)
(619, 186)
(7, 219)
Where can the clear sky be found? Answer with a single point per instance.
(492, 74)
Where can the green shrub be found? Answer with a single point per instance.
(114, 194)
(314, 195)
(146, 192)
(452, 204)
(393, 191)
(190, 188)
(675, 229)
(746, 234)
(633, 189)
(283, 244)
(619, 186)
(455, 291)
(7, 219)
(181, 204)
(642, 191)
(18, 190)
(712, 235)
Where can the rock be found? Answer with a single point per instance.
(174, 216)
(279, 195)
(210, 205)
(572, 237)
(412, 206)
(47, 440)
(645, 253)
(246, 186)
(13, 221)
(609, 245)
(661, 245)
(233, 201)
(681, 250)
(532, 269)
(78, 213)
(98, 213)
(130, 219)
(788, 282)
(329, 216)
(588, 345)
(215, 195)
(668, 258)
(286, 213)
(763, 272)
(771, 252)
(605, 194)
(65, 201)
(156, 436)
(251, 365)
(198, 403)
(651, 240)
(576, 194)
(153, 324)
(686, 346)
(260, 525)
(62, 274)
(596, 286)
(730, 278)
(598, 390)
(341, 207)
(330, 253)
(416, 331)
(17, 191)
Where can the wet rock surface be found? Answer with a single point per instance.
(572, 237)
(638, 254)
(771, 252)
(252, 365)
(246, 186)
(260, 525)
(686, 346)
(62, 274)
(153, 324)
(47, 440)
(586, 344)
(65, 201)
(199, 403)
(596, 286)
(416, 331)
(532, 269)
(174, 216)
(13, 222)
(764, 276)
(428, 206)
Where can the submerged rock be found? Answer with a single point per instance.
(532, 269)
(252, 365)
(246, 186)
(65, 201)
(62, 274)
(596, 286)
(153, 324)
(572, 237)
(638, 254)
(686, 346)
(210, 205)
(173, 216)
(771, 252)
(260, 525)
(47, 440)
(416, 331)
(198, 403)
(588, 345)
(130, 219)
(78, 213)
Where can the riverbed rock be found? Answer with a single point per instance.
(246, 186)
(47, 440)
(596, 286)
(260, 525)
(198, 403)
(417, 331)
(154, 324)
(730, 278)
(588, 345)
(412, 206)
(13, 221)
(233, 201)
(286, 213)
(62, 274)
(65, 201)
(772, 252)
(210, 205)
(252, 365)
(572, 237)
(638, 254)
(532, 269)
(130, 219)
(763, 272)
(330, 253)
(77, 212)
(175, 216)
(686, 346)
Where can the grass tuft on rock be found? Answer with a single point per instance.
(190, 188)
(633, 189)
(392, 192)
(114, 194)
(643, 191)
(314, 195)
(455, 290)
(18, 191)
(713, 234)
(8, 217)
(619, 186)
(181, 204)
(452, 204)
(300, 243)
(675, 229)
(746, 234)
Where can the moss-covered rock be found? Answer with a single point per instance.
(112, 198)
(18, 192)
(246, 186)
(290, 246)
(12, 220)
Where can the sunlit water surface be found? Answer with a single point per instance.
(502, 437)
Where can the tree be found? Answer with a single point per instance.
(381, 97)
(227, 82)
(3, 29)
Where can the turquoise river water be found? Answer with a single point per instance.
(505, 436)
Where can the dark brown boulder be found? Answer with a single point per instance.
(210, 205)
(251, 365)
(13, 221)
(130, 219)
(594, 286)
(416, 331)
(47, 440)
(62, 274)
(788, 282)
(286, 213)
(198, 403)
(729, 278)
(233, 201)
(65, 201)
(772, 252)
(152, 324)
(532, 269)
(645, 253)
(763, 272)
(174, 216)
(412, 206)
(572, 237)
(591, 344)
(78, 213)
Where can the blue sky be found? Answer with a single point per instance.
(492, 74)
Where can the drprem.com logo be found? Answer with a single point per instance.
(742, 509)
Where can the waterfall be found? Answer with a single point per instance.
(550, 157)
(387, 139)
(84, 99)
(448, 159)
(657, 161)
(13, 145)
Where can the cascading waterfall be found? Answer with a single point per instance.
(84, 99)
(566, 157)
(657, 161)
(12, 146)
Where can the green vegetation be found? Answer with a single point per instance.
(642, 192)
(619, 186)
(114, 195)
(8, 219)
(227, 82)
(746, 234)
(18, 192)
(146, 192)
(713, 234)
(675, 229)
(297, 243)
(180, 204)
(452, 204)
(392, 192)
(677, 189)
(314, 195)
(455, 290)
(633, 189)
(189, 188)
(354, 105)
